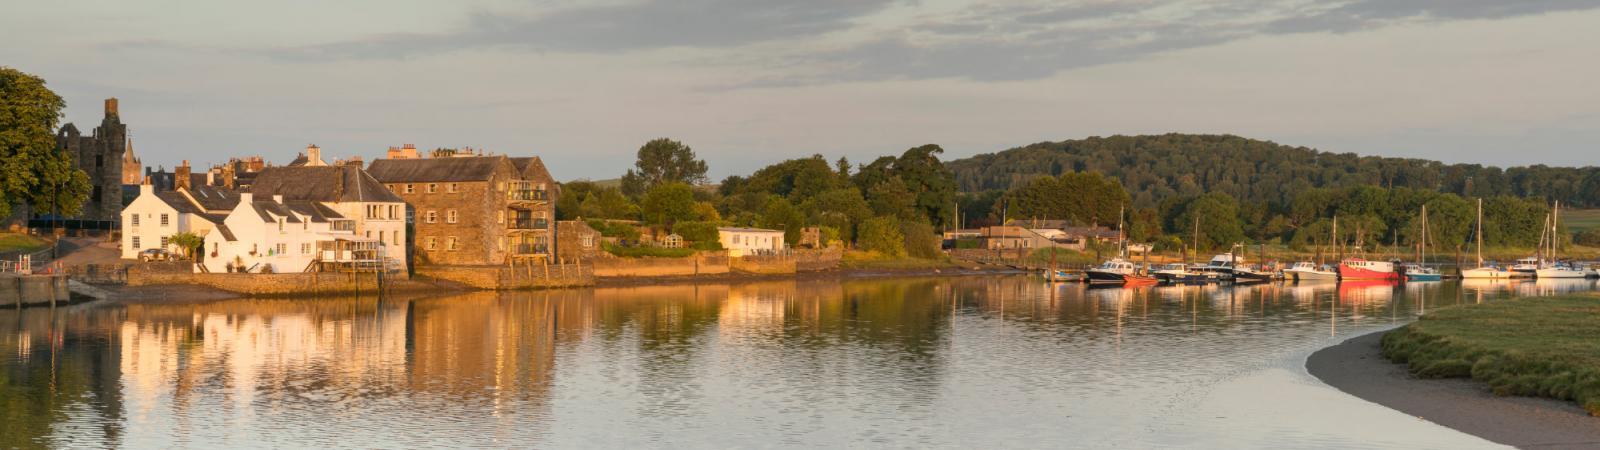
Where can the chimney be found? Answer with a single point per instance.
(314, 155)
(245, 198)
(180, 177)
(211, 178)
(227, 176)
(146, 188)
(111, 107)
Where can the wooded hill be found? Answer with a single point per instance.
(1160, 167)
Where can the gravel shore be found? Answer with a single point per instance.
(1358, 368)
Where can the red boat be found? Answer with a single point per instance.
(1361, 269)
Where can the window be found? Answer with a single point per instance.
(380, 236)
(433, 216)
(451, 187)
(433, 187)
(136, 219)
(136, 243)
(411, 188)
(588, 241)
(163, 242)
(501, 218)
(163, 219)
(431, 244)
(282, 248)
(305, 248)
(394, 211)
(450, 216)
(280, 224)
(450, 243)
(501, 186)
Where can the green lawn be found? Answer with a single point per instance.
(1538, 347)
(860, 260)
(11, 242)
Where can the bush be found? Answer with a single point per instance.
(698, 232)
(828, 235)
(921, 241)
(637, 252)
(616, 230)
(882, 234)
(1589, 237)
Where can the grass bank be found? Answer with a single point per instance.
(16, 242)
(1537, 347)
(859, 260)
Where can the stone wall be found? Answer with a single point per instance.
(764, 265)
(508, 278)
(258, 284)
(704, 263)
(33, 290)
(817, 260)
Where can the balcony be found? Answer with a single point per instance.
(530, 249)
(525, 223)
(527, 195)
(342, 225)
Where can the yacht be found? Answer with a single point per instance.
(1483, 272)
(1245, 273)
(1420, 270)
(1180, 273)
(1309, 271)
(1220, 267)
(1361, 269)
(1561, 270)
(1526, 268)
(1557, 269)
(1118, 271)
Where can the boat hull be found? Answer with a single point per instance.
(1424, 277)
(1347, 272)
(1485, 273)
(1560, 273)
(1246, 276)
(1312, 275)
(1103, 277)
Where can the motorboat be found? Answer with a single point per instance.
(1418, 272)
(1180, 273)
(1361, 269)
(1244, 273)
(1220, 267)
(1118, 271)
(1526, 268)
(1309, 271)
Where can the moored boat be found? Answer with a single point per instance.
(1483, 272)
(1118, 271)
(1180, 273)
(1244, 273)
(1525, 268)
(1309, 271)
(1560, 270)
(1361, 269)
(1417, 272)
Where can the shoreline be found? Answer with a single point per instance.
(184, 293)
(1358, 367)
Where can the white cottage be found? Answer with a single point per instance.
(375, 213)
(153, 217)
(277, 236)
(750, 241)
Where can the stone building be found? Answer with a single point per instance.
(576, 241)
(131, 166)
(100, 155)
(475, 210)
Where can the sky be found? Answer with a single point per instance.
(750, 82)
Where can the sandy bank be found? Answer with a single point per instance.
(1358, 368)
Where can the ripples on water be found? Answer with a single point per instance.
(948, 362)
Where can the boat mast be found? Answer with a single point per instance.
(1338, 247)
(1480, 232)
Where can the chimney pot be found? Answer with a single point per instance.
(111, 106)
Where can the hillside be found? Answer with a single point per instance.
(1157, 167)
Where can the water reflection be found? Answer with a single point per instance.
(921, 362)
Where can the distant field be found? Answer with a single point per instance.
(1581, 219)
(11, 242)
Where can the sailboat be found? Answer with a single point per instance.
(1420, 271)
(1483, 271)
(1553, 269)
(1118, 270)
(1183, 272)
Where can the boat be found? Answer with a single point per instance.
(1557, 269)
(1118, 271)
(1361, 269)
(1245, 273)
(1420, 270)
(1526, 267)
(1483, 272)
(1310, 271)
(1179, 273)
(1059, 275)
(1220, 267)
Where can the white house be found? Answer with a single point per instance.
(750, 241)
(153, 217)
(348, 191)
(279, 236)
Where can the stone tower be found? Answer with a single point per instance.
(101, 157)
(131, 166)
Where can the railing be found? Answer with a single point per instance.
(528, 224)
(530, 249)
(342, 225)
(528, 195)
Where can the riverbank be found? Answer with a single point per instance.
(1358, 367)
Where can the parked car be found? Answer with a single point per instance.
(155, 254)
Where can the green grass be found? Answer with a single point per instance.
(1581, 219)
(1537, 347)
(14, 242)
(860, 260)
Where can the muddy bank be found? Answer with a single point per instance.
(1358, 368)
(734, 277)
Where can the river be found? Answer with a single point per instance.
(993, 361)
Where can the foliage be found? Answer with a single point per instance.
(187, 241)
(663, 161)
(668, 203)
(779, 214)
(639, 252)
(1542, 347)
(1084, 198)
(31, 170)
(839, 209)
(698, 231)
(587, 199)
(1218, 216)
(921, 240)
(615, 230)
(828, 235)
(929, 183)
(1589, 237)
(882, 235)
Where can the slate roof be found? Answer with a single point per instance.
(226, 233)
(313, 210)
(268, 208)
(214, 198)
(178, 202)
(321, 184)
(427, 170)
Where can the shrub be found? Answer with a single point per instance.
(882, 234)
(921, 241)
(698, 232)
(1589, 237)
(637, 252)
(617, 230)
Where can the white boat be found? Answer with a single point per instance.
(1526, 267)
(1556, 269)
(1220, 266)
(1180, 273)
(1483, 272)
(1560, 270)
(1309, 271)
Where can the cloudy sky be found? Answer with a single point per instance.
(749, 82)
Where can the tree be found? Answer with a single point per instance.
(882, 235)
(32, 171)
(668, 203)
(187, 242)
(929, 186)
(1218, 213)
(663, 161)
(782, 215)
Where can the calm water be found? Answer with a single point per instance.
(957, 362)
